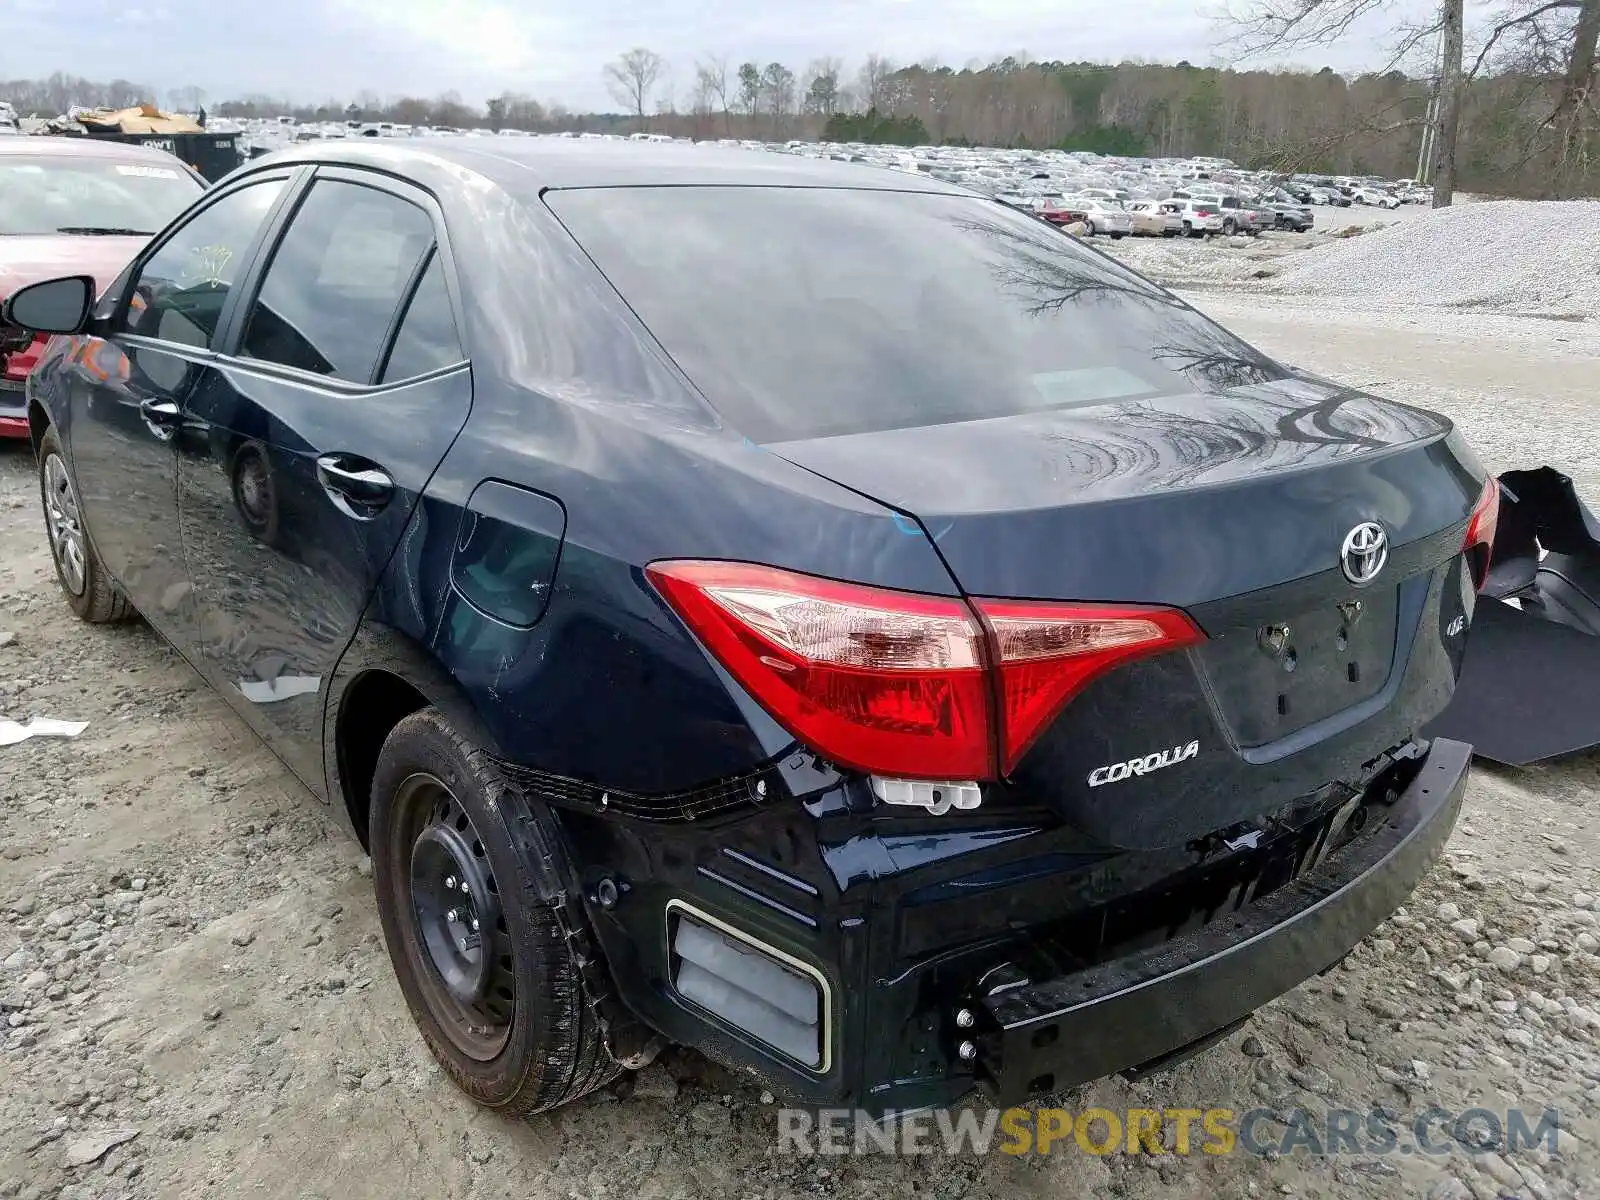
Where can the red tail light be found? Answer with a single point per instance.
(1479, 543)
(899, 683)
(1047, 653)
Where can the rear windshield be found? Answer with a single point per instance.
(813, 312)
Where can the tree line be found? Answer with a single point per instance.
(1319, 121)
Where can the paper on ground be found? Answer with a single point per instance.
(11, 732)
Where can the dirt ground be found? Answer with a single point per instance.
(190, 958)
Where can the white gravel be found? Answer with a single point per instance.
(1516, 255)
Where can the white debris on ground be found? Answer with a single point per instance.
(1516, 255)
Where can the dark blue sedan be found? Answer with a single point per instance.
(805, 612)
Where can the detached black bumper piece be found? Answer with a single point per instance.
(1151, 1006)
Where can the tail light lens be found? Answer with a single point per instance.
(1047, 653)
(1481, 526)
(903, 684)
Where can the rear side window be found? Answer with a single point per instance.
(336, 281)
(813, 312)
(179, 292)
(427, 338)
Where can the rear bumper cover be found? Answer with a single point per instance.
(13, 409)
(1061, 1032)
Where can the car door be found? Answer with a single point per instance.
(343, 386)
(125, 390)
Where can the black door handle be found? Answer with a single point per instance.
(163, 414)
(346, 480)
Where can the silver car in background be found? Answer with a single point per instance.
(1107, 216)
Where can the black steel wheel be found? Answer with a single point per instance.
(456, 918)
(255, 491)
(479, 954)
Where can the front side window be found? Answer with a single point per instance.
(179, 292)
(336, 281)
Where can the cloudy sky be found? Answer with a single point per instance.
(312, 49)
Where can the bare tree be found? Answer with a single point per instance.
(820, 88)
(711, 81)
(633, 77)
(1450, 88)
(873, 81)
(749, 88)
(777, 83)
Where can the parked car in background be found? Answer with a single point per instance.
(1377, 197)
(1154, 218)
(1199, 217)
(1061, 210)
(1238, 216)
(1107, 217)
(601, 584)
(1289, 215)
(74, 206)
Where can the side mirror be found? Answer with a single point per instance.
(54, 306)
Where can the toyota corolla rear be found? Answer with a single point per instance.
(1150, 759)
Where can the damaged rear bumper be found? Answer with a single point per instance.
(1041, 1037)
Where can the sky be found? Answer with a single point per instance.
(309, 50)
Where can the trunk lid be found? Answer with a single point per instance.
(1180, 500)
(1235, 507)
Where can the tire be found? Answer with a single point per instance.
(255, 492)
(1229, 227)
(440, 812)
(1117, 237)
(1192, 231)
(85, 583)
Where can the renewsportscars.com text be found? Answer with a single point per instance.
(1174, 1131)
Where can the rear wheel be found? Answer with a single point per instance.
(480, 958)
(88, 588)
(1228, 226)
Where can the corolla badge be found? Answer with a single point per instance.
(1365, 550)
(1117, 772)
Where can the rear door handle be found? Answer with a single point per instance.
(352, 484)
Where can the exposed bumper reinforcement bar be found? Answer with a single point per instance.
(1144, 1007)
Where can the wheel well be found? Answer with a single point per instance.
(38, 424)
(373, 704)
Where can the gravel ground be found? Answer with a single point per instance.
(194, 1001)
(1517, 255)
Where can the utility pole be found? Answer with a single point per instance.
(1430, 124)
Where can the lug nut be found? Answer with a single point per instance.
(453, 915)
(474, 924)
(965, 1019)
(967, 1051)
(464, 889)
(449, 881)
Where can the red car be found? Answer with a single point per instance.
(74, 206)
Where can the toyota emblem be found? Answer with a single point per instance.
(1365, 550)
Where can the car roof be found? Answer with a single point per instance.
(530, 165)
(63, 146)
